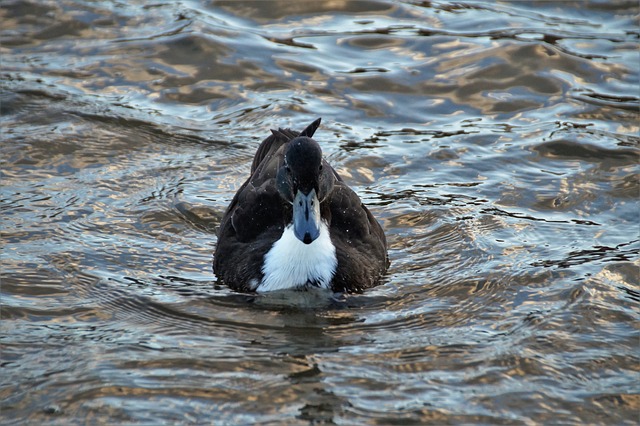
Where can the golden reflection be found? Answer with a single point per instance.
(111, 201)
(461, 78)
(308, 12)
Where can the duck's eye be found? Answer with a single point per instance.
(288, 169)
(320, 167)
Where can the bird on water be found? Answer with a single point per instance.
(295, 224)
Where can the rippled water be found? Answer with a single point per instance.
(498, 143)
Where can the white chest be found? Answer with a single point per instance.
(291, 263)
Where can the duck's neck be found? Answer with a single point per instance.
(292, 264)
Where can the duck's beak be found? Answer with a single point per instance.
(306, 216)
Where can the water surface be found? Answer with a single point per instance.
(498, 144)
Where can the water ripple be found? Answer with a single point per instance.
(497, 143)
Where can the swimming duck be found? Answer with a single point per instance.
(295, 224)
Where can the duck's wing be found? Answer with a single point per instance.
(257, 204)
(252, 222)
(257, 208)
(361, 246)
(350, 217)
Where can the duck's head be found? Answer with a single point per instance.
(305, 180)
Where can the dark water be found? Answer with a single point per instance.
(498, 143)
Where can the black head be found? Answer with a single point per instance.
(303, 162)
(305, 180)
(304, 170)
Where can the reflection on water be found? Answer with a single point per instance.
(497, 144)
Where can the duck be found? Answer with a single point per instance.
(296, 225)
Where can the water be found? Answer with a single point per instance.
(496, 142)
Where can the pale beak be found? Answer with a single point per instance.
(306, 216)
